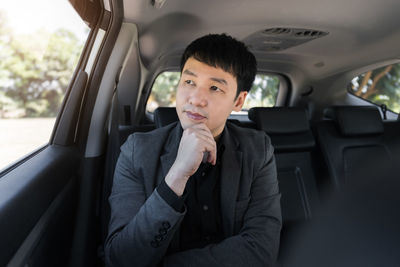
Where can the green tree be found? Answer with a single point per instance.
(35, 69)
(163, 93)
(5, 49)
(263, 92)
(380, 86)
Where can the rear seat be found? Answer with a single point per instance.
(294, 145)
(297, 167)
(164, 116)
(353, 144)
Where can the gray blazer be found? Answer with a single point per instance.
(143, 225)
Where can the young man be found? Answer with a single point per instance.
(199, 192)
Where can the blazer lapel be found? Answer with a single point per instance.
(230, 177)
(170, 152)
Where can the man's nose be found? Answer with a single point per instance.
(198, 97)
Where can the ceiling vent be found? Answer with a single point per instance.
(278, 31)
(311, 34)
(281, 38)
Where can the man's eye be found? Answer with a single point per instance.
(215, 88)
(190, 82)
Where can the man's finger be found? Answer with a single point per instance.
(212, 154)
(205, 156)
(203, 127)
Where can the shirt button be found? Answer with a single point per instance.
(207, 238)
(203, 173)
(205, 207)
(166, 225)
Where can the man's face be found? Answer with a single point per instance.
(206, 95)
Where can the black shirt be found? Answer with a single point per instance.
(202, 224)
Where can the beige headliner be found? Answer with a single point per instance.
(361, 32)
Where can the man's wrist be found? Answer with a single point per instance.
(176, 181)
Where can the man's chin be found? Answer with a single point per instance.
(188, 124)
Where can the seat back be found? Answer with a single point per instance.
(164, 116)
(352, 143)
(294, 143)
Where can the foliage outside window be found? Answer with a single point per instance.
(379, 86)
(263, 93)
(39, 50)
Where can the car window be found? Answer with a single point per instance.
(37, 60)
(263, 93)
(379, 86)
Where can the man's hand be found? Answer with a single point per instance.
(196, 140)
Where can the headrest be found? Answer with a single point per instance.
(356, 120)
(288, 128)
(280, 120)
(164, 116)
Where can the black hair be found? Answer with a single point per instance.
(225, 52)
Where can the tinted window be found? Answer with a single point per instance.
(379, 86)
(39, 50)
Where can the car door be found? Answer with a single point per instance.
(47, 196)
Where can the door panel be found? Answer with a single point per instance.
(37, 194)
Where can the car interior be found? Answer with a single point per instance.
(54, 202)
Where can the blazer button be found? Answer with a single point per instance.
(154, 244)
(166, 225)
(159, 238)
(162, 231)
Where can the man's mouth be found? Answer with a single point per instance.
(195, 116)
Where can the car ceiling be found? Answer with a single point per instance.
(360, 32)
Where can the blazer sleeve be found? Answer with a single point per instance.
(257, 243)
(140, 229)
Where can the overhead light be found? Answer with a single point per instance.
(158, 3)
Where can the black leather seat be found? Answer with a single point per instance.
(353, 144)
(288, 128)
(297, 167)
(294, 144)
(164, 116)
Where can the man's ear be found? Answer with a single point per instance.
(239, 101)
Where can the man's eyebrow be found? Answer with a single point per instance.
(188, 72)
(219, 80)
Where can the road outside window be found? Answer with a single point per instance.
(263, 93)
(39, 50)
(379, 86)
